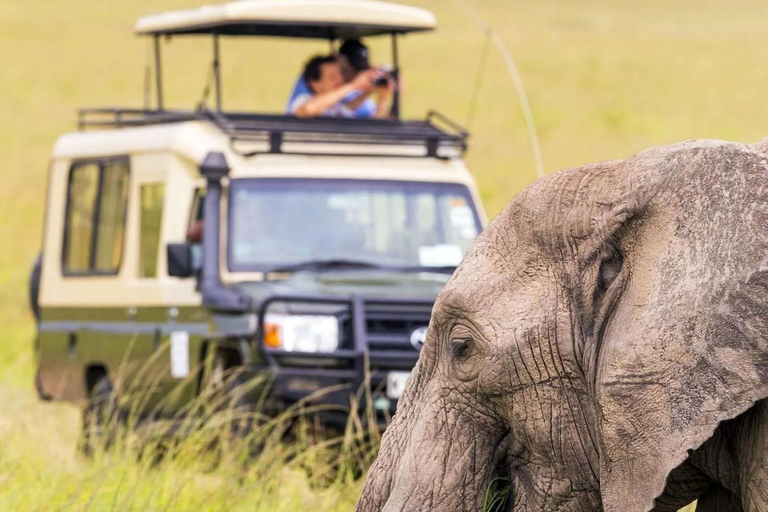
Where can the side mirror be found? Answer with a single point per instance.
(180, 260)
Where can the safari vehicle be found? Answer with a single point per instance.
(306, 250)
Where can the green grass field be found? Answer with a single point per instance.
(605, 79)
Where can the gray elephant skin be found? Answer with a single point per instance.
(603, 346)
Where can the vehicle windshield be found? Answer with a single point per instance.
(277, 223)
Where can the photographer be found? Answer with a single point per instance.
(329, 95)
(353, 57)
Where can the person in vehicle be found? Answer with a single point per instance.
(329, 94)
(195, 232)
(353, 58)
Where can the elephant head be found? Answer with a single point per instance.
(594, 337)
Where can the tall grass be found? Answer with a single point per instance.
(214, 455)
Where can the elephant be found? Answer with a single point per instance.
(602, 346)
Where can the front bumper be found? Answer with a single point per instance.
(351, 380)
(332, 395)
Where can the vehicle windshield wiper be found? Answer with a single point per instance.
(323, 265)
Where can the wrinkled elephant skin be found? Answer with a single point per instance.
(603, 346)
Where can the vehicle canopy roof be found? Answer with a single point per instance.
(319, 19)
(434, 137)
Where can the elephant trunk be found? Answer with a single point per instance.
(434, 460)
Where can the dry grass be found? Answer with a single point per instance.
(207, 470)
(605, 79)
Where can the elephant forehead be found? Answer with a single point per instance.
(471, 293)
(500, 294)
(543, 221)
(505, 268)
(536, 216)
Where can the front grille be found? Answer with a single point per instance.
(388, 329)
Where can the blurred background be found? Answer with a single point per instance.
(604, 78)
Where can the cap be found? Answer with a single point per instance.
(356, 53)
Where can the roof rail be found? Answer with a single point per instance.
(276, 133)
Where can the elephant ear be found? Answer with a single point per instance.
(761, 147)
(686, 345)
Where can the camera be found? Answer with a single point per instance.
(381, 82)
(384, 80)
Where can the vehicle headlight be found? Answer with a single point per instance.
(301, 333)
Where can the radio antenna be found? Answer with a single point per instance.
(516, 79)
(479, 79)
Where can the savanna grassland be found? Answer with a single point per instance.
(605, 79)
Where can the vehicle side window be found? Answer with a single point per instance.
(83, 186)
(113, 203)
(152, 195)
(95, 220)
(195, 226)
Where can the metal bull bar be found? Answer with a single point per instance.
(359, 353)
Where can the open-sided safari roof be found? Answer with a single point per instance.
(320, 19)
(252, 134)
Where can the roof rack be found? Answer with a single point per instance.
(276, 132)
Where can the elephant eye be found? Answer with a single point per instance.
(461, 347)
(610, 268)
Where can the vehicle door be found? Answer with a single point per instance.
(170, 321)
(148, 305)
(86, 326)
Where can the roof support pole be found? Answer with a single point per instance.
(396, 73)
(217, 70)
(158, 73)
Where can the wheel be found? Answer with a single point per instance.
(34, 287)
(226, 394)
(102, 419)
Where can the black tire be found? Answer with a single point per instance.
(34, 287)
(102, 419)
(227, 385)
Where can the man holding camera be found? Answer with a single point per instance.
(342, 86)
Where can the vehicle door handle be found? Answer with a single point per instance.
(131, 314)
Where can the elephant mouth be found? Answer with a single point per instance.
(498, 496)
